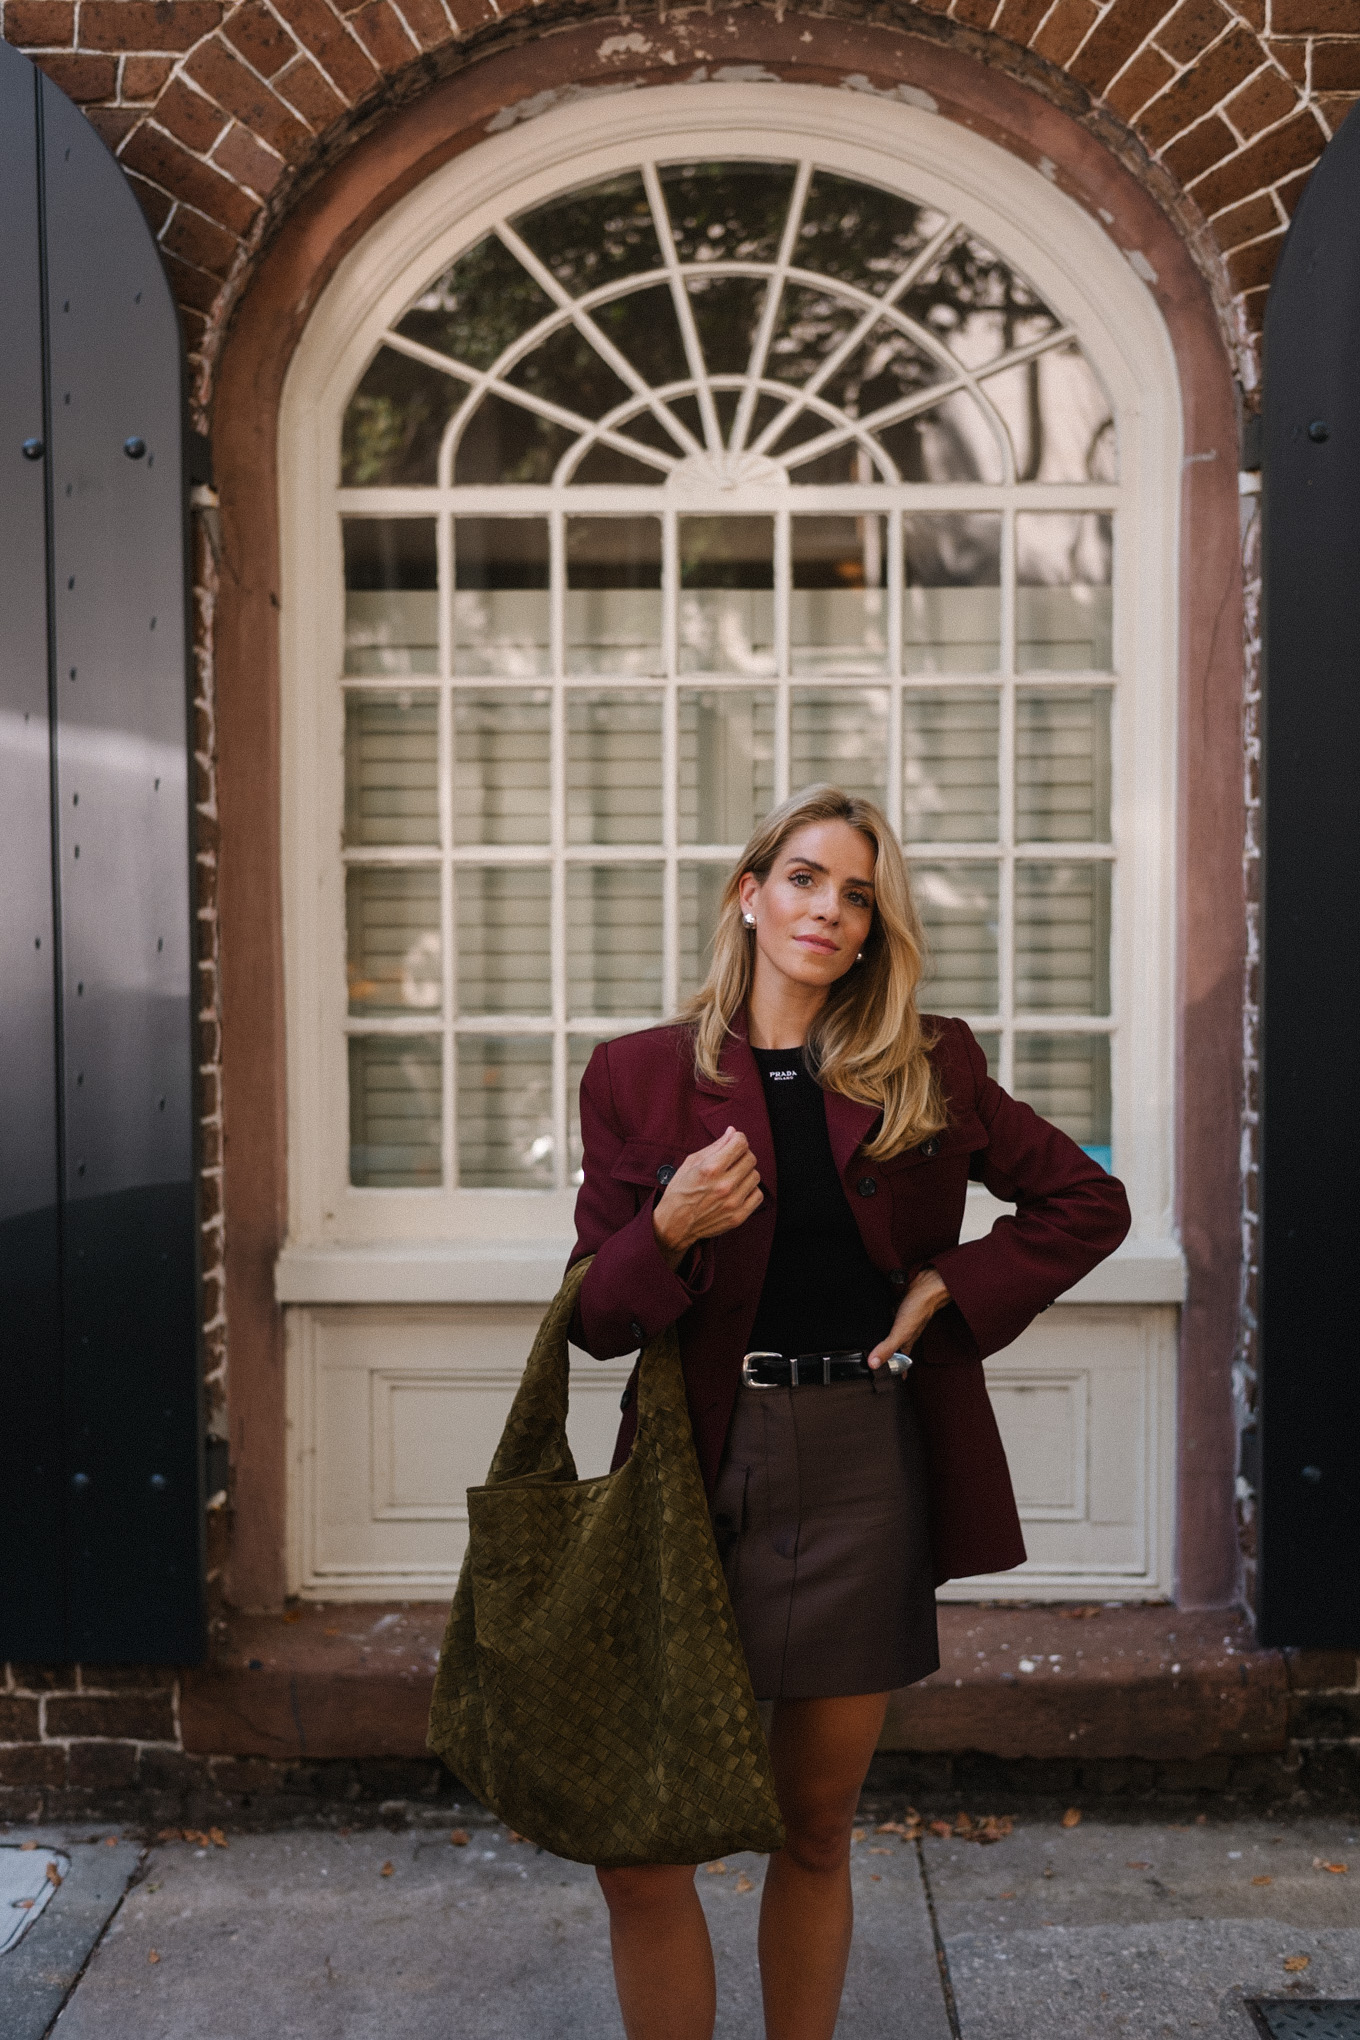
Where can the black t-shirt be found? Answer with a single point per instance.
(822, 1293)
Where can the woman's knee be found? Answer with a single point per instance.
(645, 1888)
(818, 1838)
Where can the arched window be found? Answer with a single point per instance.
(660, 457)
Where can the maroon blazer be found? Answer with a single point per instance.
(643, 1109)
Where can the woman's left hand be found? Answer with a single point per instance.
(926, 1295)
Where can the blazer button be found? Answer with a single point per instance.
(898, 1278)
(930, 1147)
(635, 1331)
(664, 1174)
(867, 1187)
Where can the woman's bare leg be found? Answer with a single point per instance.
(663, 1959)
(821, 1751)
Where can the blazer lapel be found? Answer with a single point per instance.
(848, 1124)
(741, 1103)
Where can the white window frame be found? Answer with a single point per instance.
(348, 1244)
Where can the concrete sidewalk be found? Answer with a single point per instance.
(1097, 1928)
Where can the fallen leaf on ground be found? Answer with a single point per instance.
(388, 1869)
(1072, 1817)
(897, 1827)
(874, 1877)
(994, 1828)
(23, 1904)
(28, 1845)
(1294, 1963)
(857, 1834)
(1005, 1894)
(963, 1827)
(292, 1614)
(1078, 1614)
(1201, 1820)
(1261, 1880)
(152, 1956)
(1048, 1873)
(330, 1632)
(511, 1836)
(941, 1828)
(196, 1835)
(743, 1883)
(1138, 1866)
(876, 1851)
(716, 1869)
(54, 1876)
(217, 1838)
(110, 1841)
(166, 1835)
(459, 1838)
(1336, 1869)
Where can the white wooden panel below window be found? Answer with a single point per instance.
(395, 1412)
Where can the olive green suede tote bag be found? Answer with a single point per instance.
(592, 1688)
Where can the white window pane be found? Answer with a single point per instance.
(613, 939)
(838, 607)
(391, 767)
(951, 606)
(1063, 598)
(840, 734)
(951, 789)
(580, 1048)
(395, 960)
(391, 595)
(501, 934)
(1058, 418)
(395, 422)
(501, 605)
(1066, 1078)
(958, 903)
(700, 893)
(1062, 765)
(613, 766)
(505, 1139)
(501, 766)
(396, 1088)
(990, 1044)
(727, 595)
(1062, 938)
(726, 762)
(613, 604)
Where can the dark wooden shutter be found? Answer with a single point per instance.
(100, 1485)
(1310, 1327)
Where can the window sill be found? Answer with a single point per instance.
(441, 1272)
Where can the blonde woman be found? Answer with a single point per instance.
(782, 1175)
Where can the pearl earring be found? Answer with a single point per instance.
(749, 919)
(860, 957)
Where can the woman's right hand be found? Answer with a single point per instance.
(713, 1191)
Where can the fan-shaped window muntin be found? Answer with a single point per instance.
(574, 682)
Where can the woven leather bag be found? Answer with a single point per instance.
(592, 1689)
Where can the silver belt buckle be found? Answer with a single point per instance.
(899, 1363)
(748, 1376)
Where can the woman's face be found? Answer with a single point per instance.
(815, 908)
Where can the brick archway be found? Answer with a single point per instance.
(221, 111)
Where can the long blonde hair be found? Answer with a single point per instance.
(868, 1042)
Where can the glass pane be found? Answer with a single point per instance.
(1058, 418)
(841, 735)
(501, 924)
(613, 939)
(580, 1048)
(1062, 938)
(613, 595)
(858, 232)
(990, 1044)
(565, 369)
(502, 442)
(505, 1139)
(726, 763)
(951, 791)
(391, 767)
(1066, 1078)
(810, 324)
(644, 328)
(394, 951)
(609, 466)
(952, 606)
(977, 304)
(701, 890)
(727, 311)
(502, 610)
(395, 421)
(594, 235)
(613, 767)
(391, 599)
(501, 781)
(954, 441)
(887, 368)
(959, 904)
(480, 305)
(396, 1105)
(851, 461)
(1063, 598)
(1062, 765)
(727, 595)
(732, 211)
(838, 606)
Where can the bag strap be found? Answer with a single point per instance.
(535, 1436)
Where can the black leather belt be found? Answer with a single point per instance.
(813, 1370)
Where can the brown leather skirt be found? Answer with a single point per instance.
(820, 1517)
